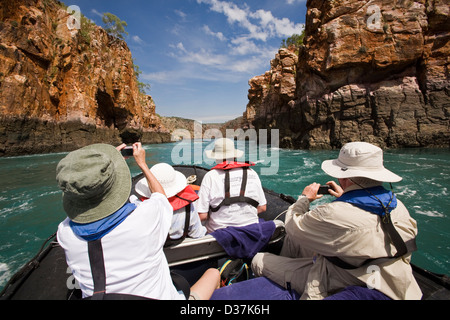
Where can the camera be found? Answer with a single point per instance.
(324, 190)
(127, 152)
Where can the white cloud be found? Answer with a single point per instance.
(181, 14)
(94, 11)
(188, 72)
(218, 35)
(203, 56)
(165, 77)
(246, 52)
(231, 10)
(237, 15)
(207, 64)
(261, 24)
(295, 1)
(274, 26)
(138, 40)
(243, 46)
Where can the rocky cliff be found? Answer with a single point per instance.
(375, 71)
(174, 124)
(63, 85)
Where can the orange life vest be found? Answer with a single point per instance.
(183, 198)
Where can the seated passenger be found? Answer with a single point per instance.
(231, 194)
(365, 237)
(113, 246)
(183, 199)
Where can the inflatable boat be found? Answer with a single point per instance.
(47, 276)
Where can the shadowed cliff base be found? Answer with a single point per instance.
(37, 136)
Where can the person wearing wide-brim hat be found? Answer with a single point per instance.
(224, 149)
(212, 191)
(181, 196)
(339, 244)
(103, 230)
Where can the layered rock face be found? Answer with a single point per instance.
(273, 94)
(375, 71)
(63, 86)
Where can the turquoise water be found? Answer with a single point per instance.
(31, 209)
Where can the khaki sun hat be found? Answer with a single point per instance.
(224, 149)
(360, 159)
(96, 182)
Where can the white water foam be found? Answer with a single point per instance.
(406, 192)
(310, 163)
(429, 213)
(5, 273)
(25, 206)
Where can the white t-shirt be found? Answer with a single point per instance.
(196, 229)
(133, 252)
(212, 193)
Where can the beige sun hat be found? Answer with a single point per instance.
(360, 159)
(224, 149)
(96, 182)
(172, 181)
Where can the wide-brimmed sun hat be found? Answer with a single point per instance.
(96, 182)
(360, 159)
(172, 181)
(224, 149)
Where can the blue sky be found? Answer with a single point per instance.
(198, 55)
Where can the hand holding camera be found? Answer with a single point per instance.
(127, 152)
(324, 190)
(316, 191)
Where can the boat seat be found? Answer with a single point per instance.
(193, 250)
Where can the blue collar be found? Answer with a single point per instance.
(99, 229)
(374, 200)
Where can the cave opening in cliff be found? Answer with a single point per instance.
(105, 110)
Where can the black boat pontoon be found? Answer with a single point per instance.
(47, 276)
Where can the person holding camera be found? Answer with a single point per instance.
(183, 199)
(363, 238)
(113, 247)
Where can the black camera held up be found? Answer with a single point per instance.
(127, 152)
(324, 190)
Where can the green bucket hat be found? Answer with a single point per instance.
(96, 182)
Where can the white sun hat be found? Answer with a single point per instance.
(172, 181)
(360, 159)
(224, 149)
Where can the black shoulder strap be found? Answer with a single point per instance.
(395, 238)
(187, 221)
(181, 283)
(97, 262)
(244, 181)
(241, 198)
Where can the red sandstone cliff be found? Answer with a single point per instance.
(375, 71)
(61, 89)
